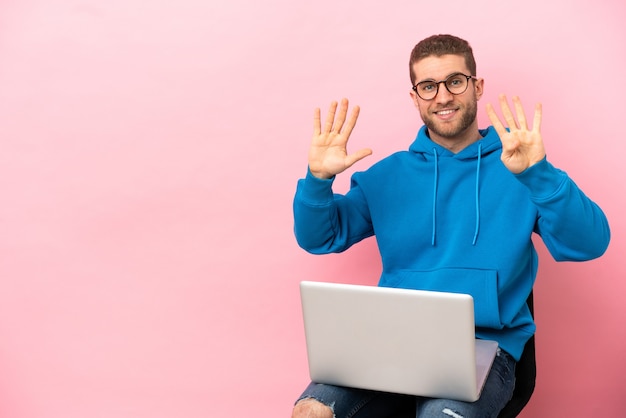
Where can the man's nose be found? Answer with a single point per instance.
(443, 95)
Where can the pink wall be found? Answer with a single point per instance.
(150, 151)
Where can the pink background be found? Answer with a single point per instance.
(150, 151)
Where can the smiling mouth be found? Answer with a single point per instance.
(445, 112)
(446, 115)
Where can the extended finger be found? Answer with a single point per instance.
(354, 115)
(495, 120)
(537, 118)
(521, 116)
(506, 111)
(317, 122)
(341, 116)
(330, 117)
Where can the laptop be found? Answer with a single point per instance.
(403, 341)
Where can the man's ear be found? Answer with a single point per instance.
(415, 99)
(479, 85)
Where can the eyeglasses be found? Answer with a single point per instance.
(455, 83)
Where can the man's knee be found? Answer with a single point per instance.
(311, 408)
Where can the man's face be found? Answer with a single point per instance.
(448, 116)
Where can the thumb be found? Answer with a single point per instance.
(357, 156)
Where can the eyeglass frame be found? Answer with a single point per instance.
(468, 77)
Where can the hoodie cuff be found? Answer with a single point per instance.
(542, 179)
(314, 190)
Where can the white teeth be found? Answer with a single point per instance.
(445, 112)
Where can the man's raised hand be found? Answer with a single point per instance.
(521, 146)
(328, 154)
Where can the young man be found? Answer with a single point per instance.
(461, 202)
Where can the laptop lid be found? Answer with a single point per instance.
(394, 340)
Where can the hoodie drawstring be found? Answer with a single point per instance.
(435, 197)
(480, 147)
(476, 194)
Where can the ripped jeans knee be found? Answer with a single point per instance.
(311, 407)
(347, 402)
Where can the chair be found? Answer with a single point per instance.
(525, 375)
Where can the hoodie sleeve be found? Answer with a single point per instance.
(325, 222)
(572, 226)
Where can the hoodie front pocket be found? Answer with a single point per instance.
(482, 285)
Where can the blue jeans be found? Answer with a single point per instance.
(359, 403)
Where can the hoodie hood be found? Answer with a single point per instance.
(489, 143)
(430, 150)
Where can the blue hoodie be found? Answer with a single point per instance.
(459, 223)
